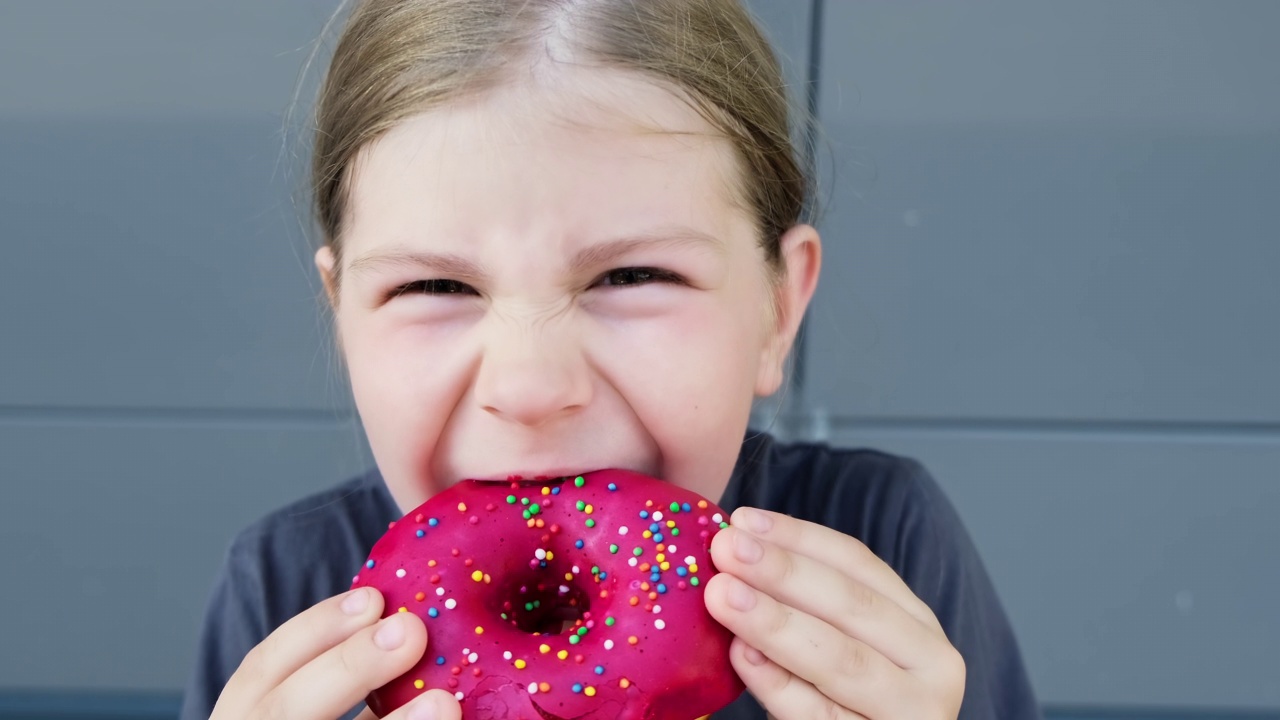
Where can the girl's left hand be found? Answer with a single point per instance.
(825, 629)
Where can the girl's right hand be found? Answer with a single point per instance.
(324, 661)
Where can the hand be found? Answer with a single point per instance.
(324, 661)
(825, 629)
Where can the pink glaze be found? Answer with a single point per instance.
(646, 649)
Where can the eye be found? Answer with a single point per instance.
(437, 286)
(638, 276)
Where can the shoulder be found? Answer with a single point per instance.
(893, 505)
(362, 498)
(804, 478)
(309, 549)
(282, 564)
(889, 502)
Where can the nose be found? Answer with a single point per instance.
(532, 375)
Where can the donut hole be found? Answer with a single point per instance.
(538, 607)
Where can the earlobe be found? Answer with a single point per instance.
(325, 267)
(801, 249)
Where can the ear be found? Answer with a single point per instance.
(325, 266)
(801, 249)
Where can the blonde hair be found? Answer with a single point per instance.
(399, 58)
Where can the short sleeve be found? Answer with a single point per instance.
(234, 622)
(941, 565)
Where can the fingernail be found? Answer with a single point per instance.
(746, 548)
(391, 635)
(741, 597)
(356, 602)
(753, 520)
(754, 656)
(424, 709)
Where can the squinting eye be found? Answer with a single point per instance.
(434, 287)
(637, 276)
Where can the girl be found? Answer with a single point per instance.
(562, 236)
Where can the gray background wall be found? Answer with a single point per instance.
(1051, 275)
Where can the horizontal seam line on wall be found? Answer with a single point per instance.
(1108, 429)
(1154, 712)
(233, 417)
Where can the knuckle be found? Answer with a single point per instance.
(779, 619)
(785, 568)
(271, 707)
(958, 670)
(853, 661)
(258, 660)
(860, 599)
(929, 616)
(350, 659)
(831, 710)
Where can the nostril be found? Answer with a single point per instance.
(532, 388)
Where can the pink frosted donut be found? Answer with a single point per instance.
(568, 598)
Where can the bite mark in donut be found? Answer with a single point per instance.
(573, 598)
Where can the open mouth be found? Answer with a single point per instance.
(538, 477)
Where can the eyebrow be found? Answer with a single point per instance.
(442, 263)
(609, 251)
(603, 253)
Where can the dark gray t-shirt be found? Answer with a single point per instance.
(308, 551)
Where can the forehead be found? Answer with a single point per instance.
(576, 153)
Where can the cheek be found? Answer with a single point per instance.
(696, 366)
(401, 378)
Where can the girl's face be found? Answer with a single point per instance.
(541, 283)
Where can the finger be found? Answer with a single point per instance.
(853, 608)
(294, 644)
(834, 548)
(345, 674)
(783, 695)
(430, 705)
(844, 669)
